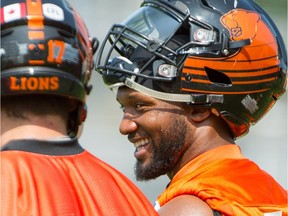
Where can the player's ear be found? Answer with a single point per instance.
(199, 114)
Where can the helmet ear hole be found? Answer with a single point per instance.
(217, 77)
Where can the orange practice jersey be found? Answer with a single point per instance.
(60, 178)
(228, 183)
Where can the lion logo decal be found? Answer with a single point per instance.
(241, 24)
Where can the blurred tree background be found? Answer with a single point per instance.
(277, 9)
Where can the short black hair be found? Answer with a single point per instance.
(18, 106)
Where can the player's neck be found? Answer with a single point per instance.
(48, 127)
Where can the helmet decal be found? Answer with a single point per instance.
(36, 20)
(12, 12)
(34, 83)
(250, 104)
(53, 11)
(236, 23)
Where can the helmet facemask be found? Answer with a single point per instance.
(153, 44)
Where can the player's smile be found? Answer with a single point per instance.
(141, 147)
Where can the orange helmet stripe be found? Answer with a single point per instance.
(35, 19)
(36, 62)
(36, 35)
(254, 81)
(232, 65)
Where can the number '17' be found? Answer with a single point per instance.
(55, 51)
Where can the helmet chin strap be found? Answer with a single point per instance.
(196, 99)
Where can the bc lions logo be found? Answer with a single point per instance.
(241, 24)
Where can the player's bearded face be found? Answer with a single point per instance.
(166, 152)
